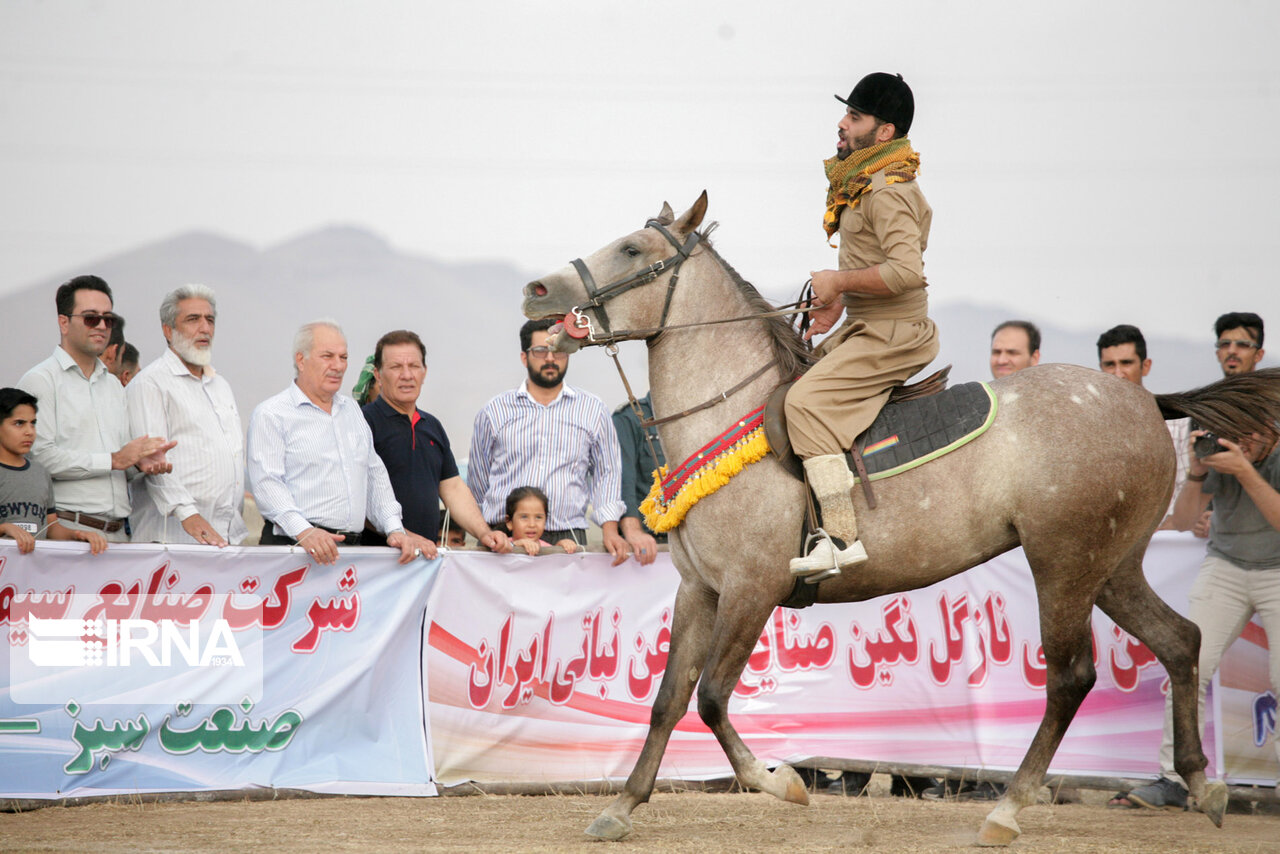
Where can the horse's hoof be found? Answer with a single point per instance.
(608, 828)
(795, 791)
(1214, 802)
(996, 835)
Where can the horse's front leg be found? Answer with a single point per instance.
(691, 624)
(739, 621)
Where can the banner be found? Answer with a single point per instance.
(246, 667)
(536, 669)
(544, 668)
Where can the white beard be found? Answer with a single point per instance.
(189, 352)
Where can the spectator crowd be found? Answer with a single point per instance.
(97, 448)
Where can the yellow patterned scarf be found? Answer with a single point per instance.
(851, 177)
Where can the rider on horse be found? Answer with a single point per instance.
(876, 204)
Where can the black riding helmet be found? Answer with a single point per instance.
(885, 96)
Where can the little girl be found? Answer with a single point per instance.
(527, 519)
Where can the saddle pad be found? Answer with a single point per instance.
(911, 433)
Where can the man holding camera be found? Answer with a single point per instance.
(1240, 575)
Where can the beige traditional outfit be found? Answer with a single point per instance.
(883, 220)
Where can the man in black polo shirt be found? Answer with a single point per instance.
(414, 447)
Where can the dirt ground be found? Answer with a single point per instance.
(673, 821)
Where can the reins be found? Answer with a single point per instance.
(599, 296)
(583, 328)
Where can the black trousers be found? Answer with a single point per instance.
(578, 535)
(271, 538)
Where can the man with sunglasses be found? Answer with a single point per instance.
(560, 439)
(82, 435)
(1239, 345)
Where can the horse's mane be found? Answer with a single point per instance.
(793, 354)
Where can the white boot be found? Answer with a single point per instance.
(835, 545)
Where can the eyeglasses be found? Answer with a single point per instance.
(546, 353)
(92, 320)
(1226, 344)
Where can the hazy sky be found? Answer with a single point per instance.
(1088, 163)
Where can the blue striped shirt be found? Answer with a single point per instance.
(567, 449)
(309, 467)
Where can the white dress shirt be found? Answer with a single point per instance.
(309, 467)
(568, 449)
(80, 422)
(166, 399)
(1180, 432)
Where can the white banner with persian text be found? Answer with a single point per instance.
(544, 668)
(187, 668)
(540, 669)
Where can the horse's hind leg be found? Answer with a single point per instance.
(737, 629)
(691, 624)
(1068, 652)
(1175, 640)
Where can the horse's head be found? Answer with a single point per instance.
(619, 288)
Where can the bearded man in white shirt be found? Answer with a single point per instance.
(181, 396)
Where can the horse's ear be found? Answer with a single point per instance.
(692, 218)
(666, 216)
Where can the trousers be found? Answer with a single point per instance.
(1223, 600)
(839, 397)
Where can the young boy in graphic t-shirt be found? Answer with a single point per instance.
(26, 490)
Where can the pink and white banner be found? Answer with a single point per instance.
(544, 669)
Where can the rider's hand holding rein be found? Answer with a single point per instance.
(826, 302)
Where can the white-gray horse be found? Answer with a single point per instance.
(1077, 469)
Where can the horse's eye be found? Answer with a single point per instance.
(631, 251)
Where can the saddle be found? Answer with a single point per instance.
(920, 422)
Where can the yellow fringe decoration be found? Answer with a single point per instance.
(715, 473)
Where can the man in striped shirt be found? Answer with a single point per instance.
(312, 465)
(560, 439)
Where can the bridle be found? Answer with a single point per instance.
(578, 325)
(599, 296)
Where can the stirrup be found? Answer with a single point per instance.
(824, 555)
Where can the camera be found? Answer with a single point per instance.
(1207, 445)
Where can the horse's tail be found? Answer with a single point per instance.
(1234, 406)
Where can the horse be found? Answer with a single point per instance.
(1078, 469)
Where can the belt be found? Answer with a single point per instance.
(349, 538)
(108, 525)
